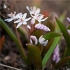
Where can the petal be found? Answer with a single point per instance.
(45, 43)
(27, 19)
(19, 15)
(41, 39)
(37, 11)
(34, 8)
(24, 23)
(44, 19)
(54, 58)
(45, 28)
(32, 21)
(24, 16)
(40, 17)
(27, 8)
(57, 48)
(31, 41)
(9, 15)
(42, 27)
(34, 39)
(9, 19)
(17, 21)
(58, 59)
(28, 27)
(37, 26)
(19, 24)
(68, 19)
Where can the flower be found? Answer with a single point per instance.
(56, 56)
(13, 16)
(33, 39)
(68, 19)
(22, 20)
(19, 15)
(42, 27)
(42, 41)
(41, 18)
(33, 10)
(35, 13)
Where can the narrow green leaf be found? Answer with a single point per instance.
(68, 27)
(64, 31)
(12, 35)
(62, 17)
(36, 56)
(49, 52)
(51, 35)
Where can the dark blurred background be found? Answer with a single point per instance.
(46, 6)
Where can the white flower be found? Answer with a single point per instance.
(33, 39)
(22, 20)
(42, 41)
(42, 27)
(35, 13)
(33, 10)
(12, 15)
(39, 18)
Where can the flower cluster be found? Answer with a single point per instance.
(35, 16)
(41, 40)
(56, 56)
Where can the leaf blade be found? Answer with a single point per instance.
(64, 31)
(51, 35)
(49, 52)
(36, 55)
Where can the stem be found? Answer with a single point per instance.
(22, 49)
(9, 67)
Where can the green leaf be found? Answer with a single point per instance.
(50, 51)
(23, 34)
(68, 27)
(45, 49)
(64, 31)
(62, 17)
(51, 35)
(12, 35)
(36, 56)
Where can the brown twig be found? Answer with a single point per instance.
(22, 49)
(9, 67)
